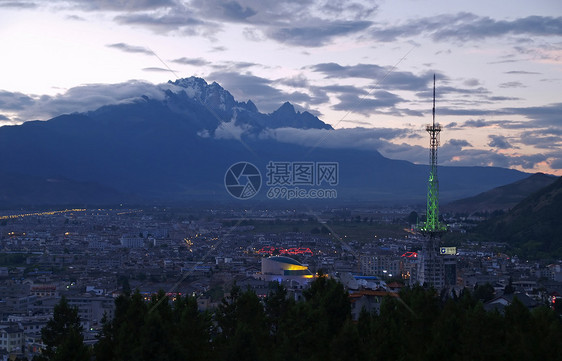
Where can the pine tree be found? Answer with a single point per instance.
(62, 335)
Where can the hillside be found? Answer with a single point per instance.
(533, 228)
(501, 198)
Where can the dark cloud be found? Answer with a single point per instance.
(485, 27)
(521, 72)
(10, 101)
(459, 143)
(315, 35)
(18, 4)
(475, 123)
(344, 89)
(192, 61)
(75, 18)
(384, 76)
(78, 99)
(549, 138)
(158, 70)
(471, 82)
(179, 20)
(131, 48)
(3, 117)
(298, 81)
(136, 5)
(512, 84)
(542, 116)
(234, 11)
(232, 65)
(386, 33)
(367, 104)
(281, 21)
(556, 161)
(467, 26)
(501, 98)
(499, 141)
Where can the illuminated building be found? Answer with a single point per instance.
(380, 264)
(282, 268)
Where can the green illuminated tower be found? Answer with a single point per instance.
(432, 226)
(430, 263)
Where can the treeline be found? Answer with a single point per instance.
(418, 325)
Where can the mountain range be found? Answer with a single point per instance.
(178, 146)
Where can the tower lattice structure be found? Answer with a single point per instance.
(432, 226)
(431, 266)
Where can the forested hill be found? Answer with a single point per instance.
(533, 227)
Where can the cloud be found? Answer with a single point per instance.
(136, 5)
(459, 143)
(229, 130)
(10, 101)
(78, 99)
(471, 82)
(247, 86)
(192, 61)
(485, 27)
(18, 4)
(297, 81)
(159, 70)
(234, 11)
(317, 34)
(389, 79)
(75, 18)
(512, 84)
(466, 27)
(499, 141)
(542, 116)
(179, 20)
(549, 138)
(521, 72)
(281, 21)
(355, 138)
(475, 123)
(131, 48)
(367, 105)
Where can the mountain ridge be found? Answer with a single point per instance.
(175, 147)
(533, 226)
(501, 198)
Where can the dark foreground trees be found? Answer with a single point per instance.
(418, 325)
(62, 336)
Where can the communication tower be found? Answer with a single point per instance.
(432, 226)
(430, 266)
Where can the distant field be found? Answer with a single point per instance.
(359, 231)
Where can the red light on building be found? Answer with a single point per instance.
(410, 255)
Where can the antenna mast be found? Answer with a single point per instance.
(432, 225)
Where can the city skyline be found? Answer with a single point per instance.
(365, 68)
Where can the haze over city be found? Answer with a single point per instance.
(364, 67)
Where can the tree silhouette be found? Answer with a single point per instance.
(62, 335)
